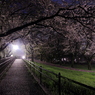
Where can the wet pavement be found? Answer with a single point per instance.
(18, 81)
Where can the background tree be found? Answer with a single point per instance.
(74, 21)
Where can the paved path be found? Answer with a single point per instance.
(18, 81)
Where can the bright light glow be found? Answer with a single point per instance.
(11, 55)
(23, 57)
(15, 47)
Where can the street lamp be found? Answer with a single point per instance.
(23, 57)
(15, 47)
(11, 55)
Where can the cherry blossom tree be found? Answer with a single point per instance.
(73, 21)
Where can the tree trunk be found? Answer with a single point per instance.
(0, 55)
(72, 61)
(41, 57)
(3, 53)
(89, 65)
(32, 56)
(72, 64)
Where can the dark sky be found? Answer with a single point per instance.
(61, 0)
(68, 1)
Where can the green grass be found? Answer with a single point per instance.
(67, 87)
(80, 66)
(87, 78)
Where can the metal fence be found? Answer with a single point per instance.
(57, 84)
(4, 65)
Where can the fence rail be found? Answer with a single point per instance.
(4, 66)
(57, 84)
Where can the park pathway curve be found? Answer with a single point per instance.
(18, 81)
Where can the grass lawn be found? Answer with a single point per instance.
(81, 66)
(87, 78)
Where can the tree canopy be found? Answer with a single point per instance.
(63, 27)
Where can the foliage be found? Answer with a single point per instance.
(66, 29)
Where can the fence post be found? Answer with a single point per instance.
(59, 83)
(34, 68)
(40, 74)
(30, 66)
